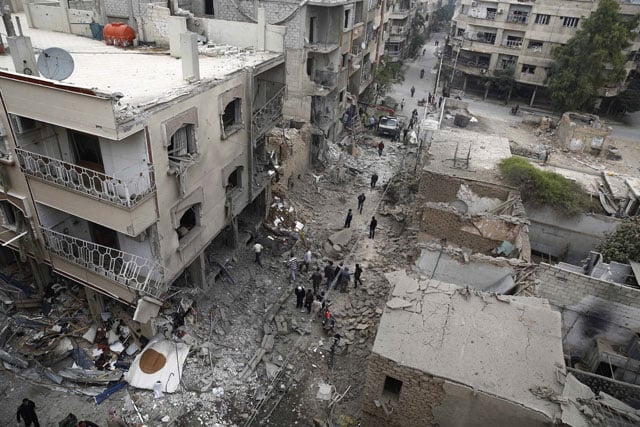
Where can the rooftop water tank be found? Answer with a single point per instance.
(119, 34)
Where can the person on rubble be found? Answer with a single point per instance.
(356, 276)
(306, 260)
(308, 300)
(293, 267)
(299, 291)
(316, 279)
(347, 220)
(316, 306)
(372, 227)
(257, 249)
(380, 148)
(27, 411)
(413, 90)
(345, 278)
(328, 274)
(374, 179)
(361, 199)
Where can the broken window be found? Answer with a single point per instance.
(535, 45)
(528, 69)
(392, 387)
(232, 116)
(347, 19)
(345, 59)
(235, 179)
(23, 124)
(183, 143)
(189, 224)
(8, 214)
(312, 29)
(341, 96)
(208, 8)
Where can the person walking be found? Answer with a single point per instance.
(405, 132)
(27, 411)
(306, 261)
(328, 274)
(316, 279)
(293, 267)
(347, 220)
(402, 105)
(257, 249)
(424, 51)
(380, 148)
(422, 73)
(361, 199)
(413, 90)
(372, 227)
(356, 276)
(308, 300)
(374, 179)
(299, 291)
(316, 306)
(440, 102)
(345, 278)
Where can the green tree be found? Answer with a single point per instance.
(590, 60)
(540, 187)
(503, 80)
(623, 244)
(386, 74)
(443, 14)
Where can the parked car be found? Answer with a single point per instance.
(388, 126)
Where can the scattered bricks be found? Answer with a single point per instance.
(267, 343)
(281, 325)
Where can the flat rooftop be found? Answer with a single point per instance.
(144, 76)
(501, 345)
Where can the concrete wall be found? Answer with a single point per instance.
(419, 394)
(570, 239)
(444, 188)
(443, 223)
(241, 34)
(563, 288)
(293, 155)
(426, 400)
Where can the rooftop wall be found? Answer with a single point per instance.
(563, 288)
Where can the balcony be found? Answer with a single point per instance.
(399, 13)
(518, 18)
(265, 117)
(399, 30)
(126, 193)
(513, 44)
(131, 271)
(322, 47)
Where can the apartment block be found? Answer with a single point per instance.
(332, 49)
(121, 174)
(401, 15)
(487, 36)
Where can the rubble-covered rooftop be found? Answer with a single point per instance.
(502, 345)
(143, 76)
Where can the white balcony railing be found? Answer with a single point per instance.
(122, 192)
(134, 272)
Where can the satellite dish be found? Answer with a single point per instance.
(363, 45)
(55, 63)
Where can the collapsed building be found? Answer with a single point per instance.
(121, 175)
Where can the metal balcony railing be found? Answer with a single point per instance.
(518, 18)
(134, 272)
(514, 44)
(264, 118)
(356, 50)
(122, 192)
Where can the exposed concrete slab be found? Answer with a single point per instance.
(501, 346)
(481, 276)
(396, 303)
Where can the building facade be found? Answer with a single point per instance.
(332, 49)
(119, 177)
(487, 36)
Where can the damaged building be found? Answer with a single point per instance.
(508, 358)
(119, 175)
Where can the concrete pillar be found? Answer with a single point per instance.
(533, 96)
(189, 56)
(177, 26)
(24, 60)
(96, 303)
(261, 32)
(197, 271)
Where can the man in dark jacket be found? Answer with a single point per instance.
(372, 227)
(356, 276)
(328, 274)
(361, 199)
(316, 279)
(27, 411)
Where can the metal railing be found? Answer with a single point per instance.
(515, 44)
(122, 192)
(134, 272)
(518, 18)
(264, 118)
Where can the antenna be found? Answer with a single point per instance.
(55, 63)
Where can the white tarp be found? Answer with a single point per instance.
(159, 361)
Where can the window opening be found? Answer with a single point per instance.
(86, 150)
(528, 69)
(570, 22)
(543, 19)
(231, 115)
(312, 29)
(188, 221)
(392, 387)
(208, 7)
(8, 214)
(347, 16)
(182, 143)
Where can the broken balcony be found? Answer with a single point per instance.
(325, 81)
(134, 272)
(266, 116)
